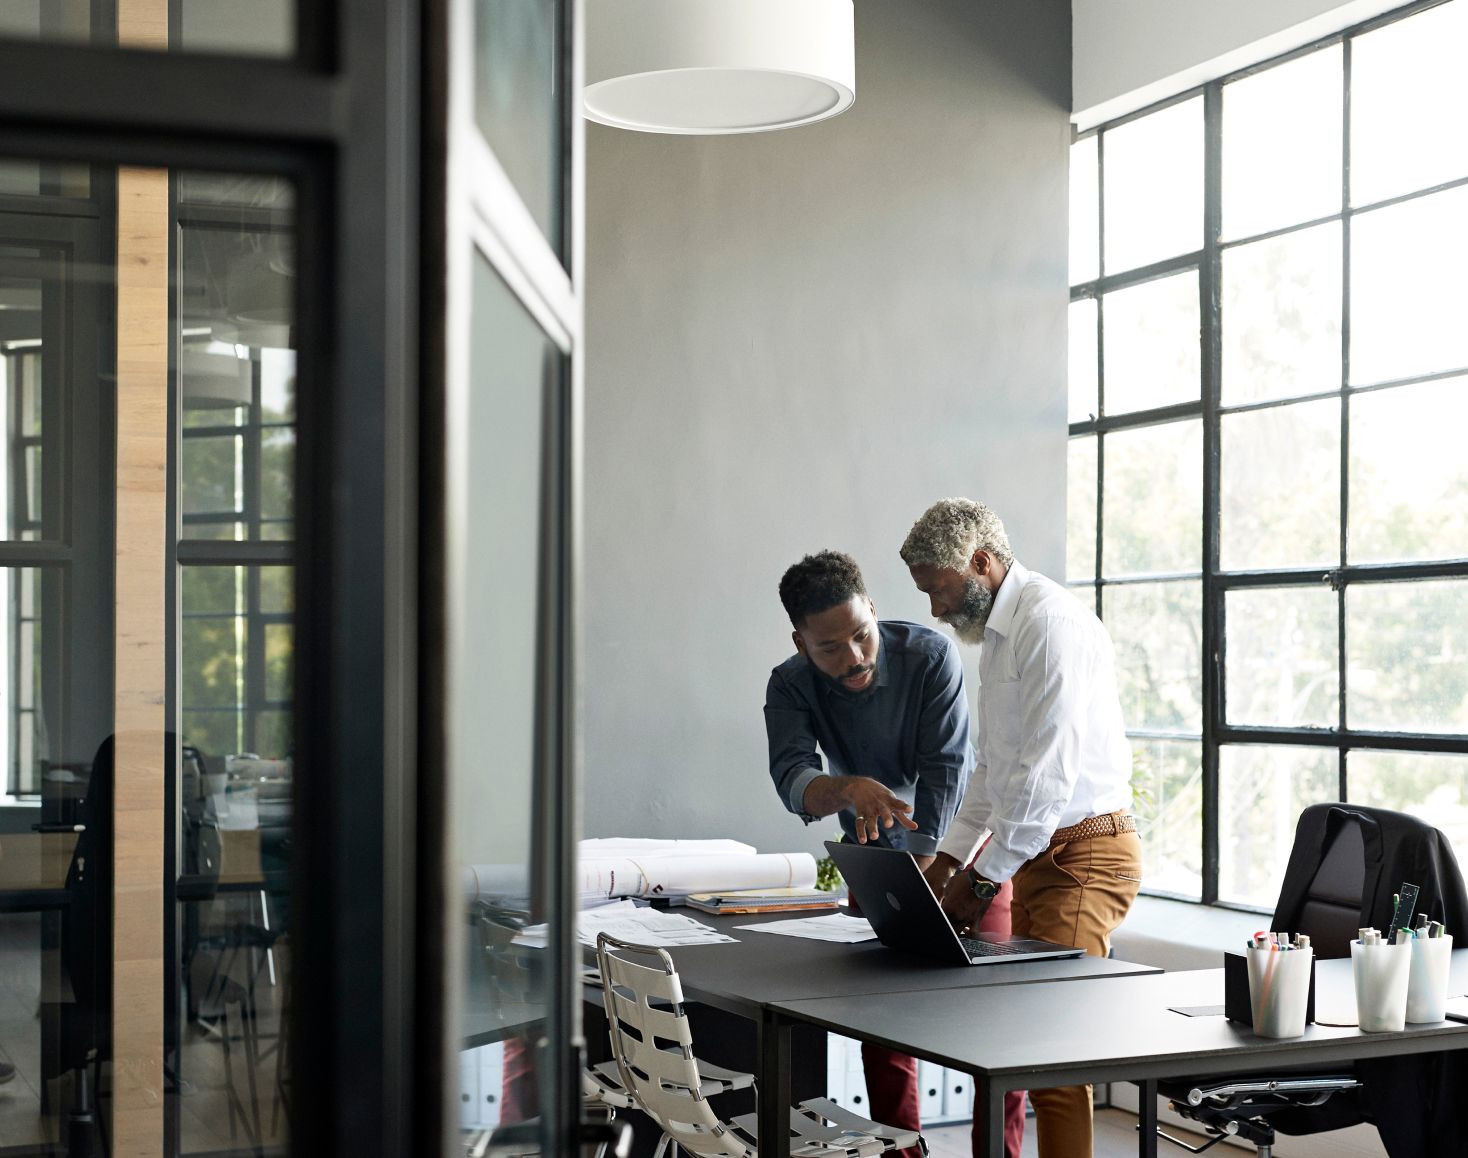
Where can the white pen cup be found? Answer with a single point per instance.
(1279, 989)
(1381, 973)
(1427, 982)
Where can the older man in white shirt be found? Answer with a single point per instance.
(1052, 786)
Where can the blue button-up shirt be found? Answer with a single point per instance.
(909, 731)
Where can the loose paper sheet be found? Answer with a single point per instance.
(836, 927)
(630, 923)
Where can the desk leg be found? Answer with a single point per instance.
(1146, 1118)
(989, 1106)
(774, 1086)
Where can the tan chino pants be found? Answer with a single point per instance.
(1074, 894)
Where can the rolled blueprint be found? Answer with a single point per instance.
(663, 876)
(659, 875)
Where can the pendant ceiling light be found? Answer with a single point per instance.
(718, 66)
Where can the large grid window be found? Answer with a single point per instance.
(236, 455)
(1268, 490)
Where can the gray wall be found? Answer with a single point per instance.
(798, 340)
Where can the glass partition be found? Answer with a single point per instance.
(520, 102)
(147, 489)
(265, 28)
(234, 402)
(496, 737)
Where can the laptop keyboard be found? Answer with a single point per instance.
(990, 949)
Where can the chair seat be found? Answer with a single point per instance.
(819, 1128)
(718, 1080)
(715, 1080)
(602, 1085)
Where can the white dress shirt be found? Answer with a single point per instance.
(1051, 747)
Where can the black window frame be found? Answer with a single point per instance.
(1216, 582)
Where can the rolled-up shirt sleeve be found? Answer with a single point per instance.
(971, 823)
(1054, 657)
(794, 762)
(944, 756)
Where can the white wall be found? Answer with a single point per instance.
(1130, 53)
(798, 340)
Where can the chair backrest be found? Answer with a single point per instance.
(654, 1048)
(1331, 914)
(1344, 865)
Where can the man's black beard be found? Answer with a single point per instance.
(835, 681)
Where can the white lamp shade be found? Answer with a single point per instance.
(212, 380)
(718, 66)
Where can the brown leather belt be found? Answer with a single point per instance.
(1108, 824)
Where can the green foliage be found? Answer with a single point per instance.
(828, 880)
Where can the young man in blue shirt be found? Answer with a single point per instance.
(885, 702)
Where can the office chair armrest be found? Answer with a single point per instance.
(1226, 1092)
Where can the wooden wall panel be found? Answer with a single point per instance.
(141, 665)
(142, 23)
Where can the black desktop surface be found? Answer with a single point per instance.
(760, 968)
(766, 967)
(1115, 1029)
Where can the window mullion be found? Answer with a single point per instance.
(1209, 278)
(1347, 224)
(1100, 362)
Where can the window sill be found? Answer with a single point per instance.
(1177, 935)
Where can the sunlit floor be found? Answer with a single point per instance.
(215, 1066)
(1116, 1137)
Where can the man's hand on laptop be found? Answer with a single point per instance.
(963, 904)
(939, 871)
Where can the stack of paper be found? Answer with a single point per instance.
(762, 901)
(627, 922)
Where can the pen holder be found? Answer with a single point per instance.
(1237, 1005)
(1381, 973)
(1279, 990)
(1427, 981)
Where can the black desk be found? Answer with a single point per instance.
(762, 974)
(765, 974)
(763, 968)
(1118, 1029)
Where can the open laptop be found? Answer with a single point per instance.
(896, 899)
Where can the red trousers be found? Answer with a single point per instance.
(892, 1077)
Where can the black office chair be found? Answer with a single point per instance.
(222, 965)
(1345, 865)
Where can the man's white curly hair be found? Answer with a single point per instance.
(950, 531)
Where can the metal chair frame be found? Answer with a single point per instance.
(653, 1047)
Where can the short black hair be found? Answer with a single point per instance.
(818, 583)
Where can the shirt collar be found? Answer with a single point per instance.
(1006, 599)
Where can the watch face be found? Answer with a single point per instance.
(984, 890)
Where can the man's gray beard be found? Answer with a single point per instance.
(968, 622)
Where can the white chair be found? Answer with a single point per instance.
(602, 1094)
(654, 1055)
(601, 1085)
